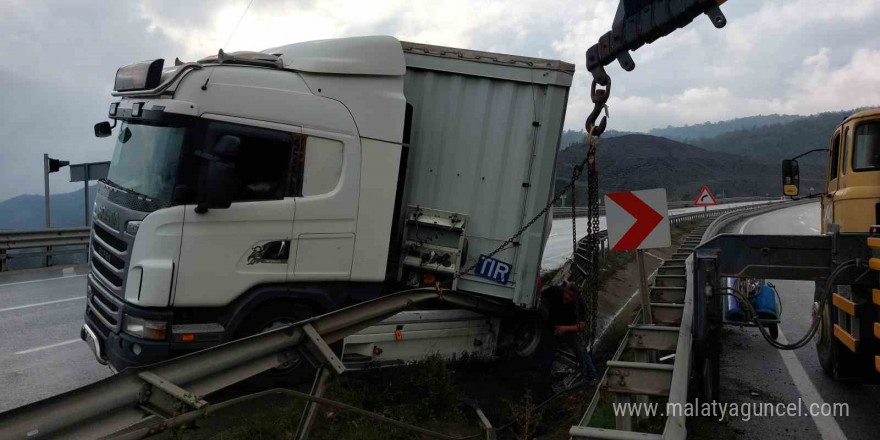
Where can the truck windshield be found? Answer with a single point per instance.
(145, 159)
(866, 152)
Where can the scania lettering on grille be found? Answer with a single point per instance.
(107, 216)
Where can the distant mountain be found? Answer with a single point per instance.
(570, 137)
(705, 130)
(780, 141)
(28, 211)
(633, 162)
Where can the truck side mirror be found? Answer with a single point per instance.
(790, 177)
(217, 186)
(103, 129)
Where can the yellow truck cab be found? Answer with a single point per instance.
(852, 192)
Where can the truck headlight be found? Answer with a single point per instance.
(131, 228)
(144, 328)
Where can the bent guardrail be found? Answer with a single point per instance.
(151, 394)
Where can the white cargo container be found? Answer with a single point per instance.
(254, 189)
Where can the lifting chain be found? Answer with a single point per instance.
(585, 257)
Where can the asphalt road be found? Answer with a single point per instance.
(41, 354)
(754, 372)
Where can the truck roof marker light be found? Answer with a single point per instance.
(114, 106)
(136, 109)
(189, 337)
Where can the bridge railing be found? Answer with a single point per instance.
(42, 243)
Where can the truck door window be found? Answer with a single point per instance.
(843, 149)
(265, 160)
(835, 157)
(866, 147)
(323, 166)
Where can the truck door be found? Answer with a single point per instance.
(224, 252)
(832, 185)
(327, 207)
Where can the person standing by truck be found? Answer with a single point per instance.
(560, 302)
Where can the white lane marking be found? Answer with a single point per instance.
(746, 223)
(827, 425)
(40, 281)
(814, 229)
(620, 310)
(46, 347)
(27, 306)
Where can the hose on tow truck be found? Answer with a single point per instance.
(817, 318)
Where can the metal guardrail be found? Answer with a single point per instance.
(47, 239)
(581, 211)
(644, 378)
(151, 396)
(679, 218)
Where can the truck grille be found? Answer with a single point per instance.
(108, 238)
(104, 306)
(108, 259)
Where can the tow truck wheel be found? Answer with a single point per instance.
(833, 360)
(708, 376)
(269, 317)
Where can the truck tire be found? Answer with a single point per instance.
(527, 337)
(707, 373)
(836, 363)
(268, 317)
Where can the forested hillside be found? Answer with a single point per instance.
(688, 133)
(780, 141)
(633, 162)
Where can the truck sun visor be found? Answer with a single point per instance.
(140, 76)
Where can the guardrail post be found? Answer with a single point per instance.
(3, 265)
(311, 409)
(48, 256)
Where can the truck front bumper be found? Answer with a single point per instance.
(103, 320)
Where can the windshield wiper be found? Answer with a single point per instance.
(120, 187)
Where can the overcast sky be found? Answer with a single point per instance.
(792, 56)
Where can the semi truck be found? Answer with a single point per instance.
(251, 190)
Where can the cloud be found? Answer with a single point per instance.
(797, 56)
(816, 86)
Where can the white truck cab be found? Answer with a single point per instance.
(254, 189)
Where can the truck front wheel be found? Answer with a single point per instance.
(271, 316)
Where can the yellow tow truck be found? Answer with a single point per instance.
(849, 330)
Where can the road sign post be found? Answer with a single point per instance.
(638, 220)
(643, 285)
(85, 172)
(50, 166)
